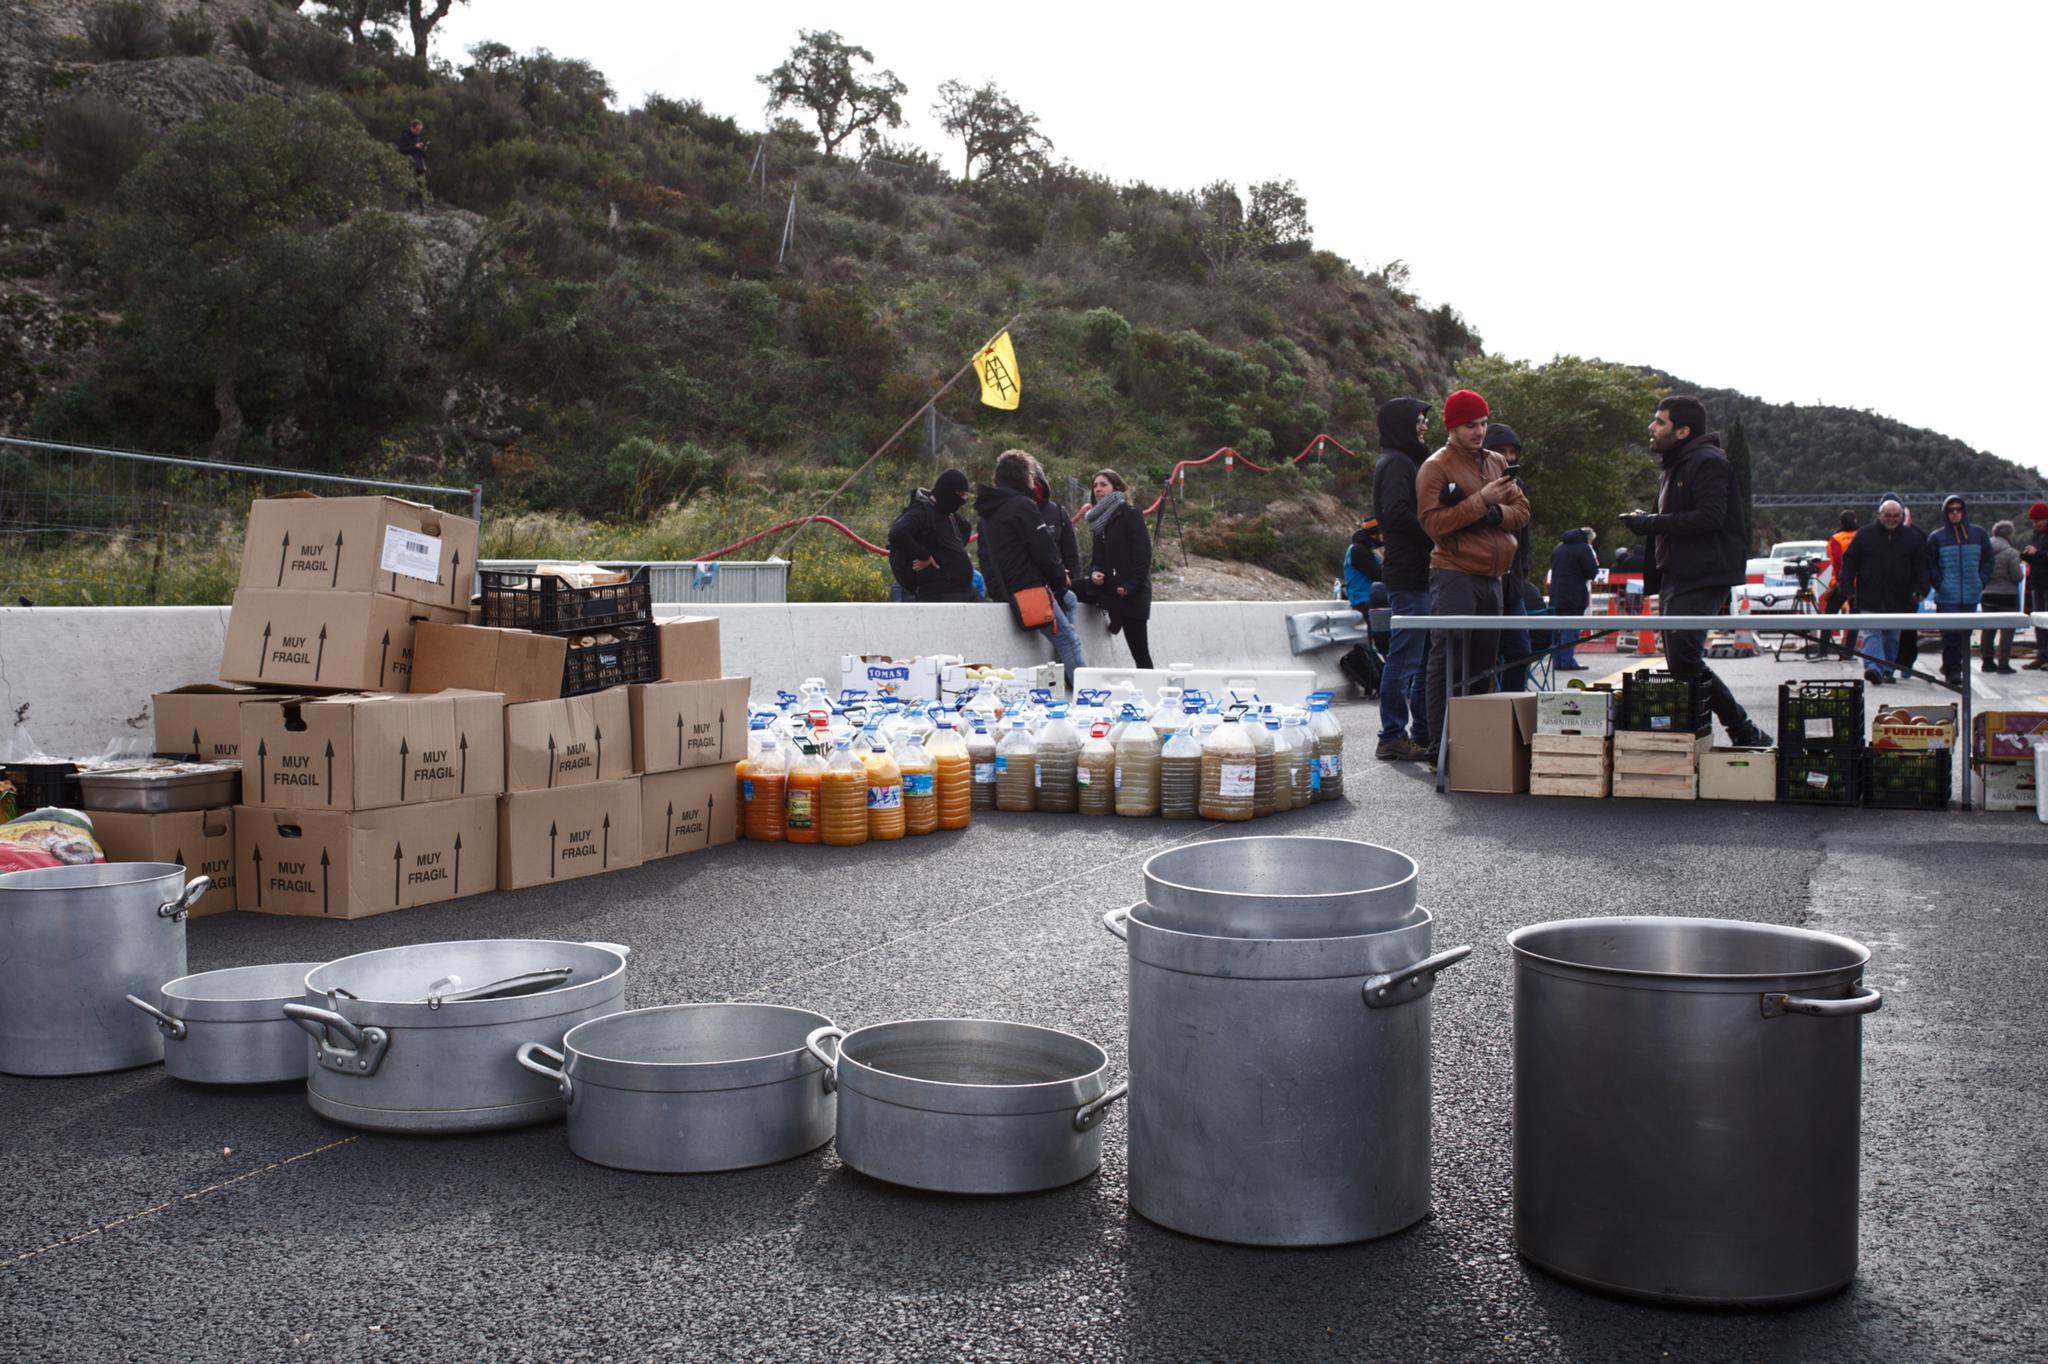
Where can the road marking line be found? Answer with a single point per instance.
(88, 1234)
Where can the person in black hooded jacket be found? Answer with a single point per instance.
(1404, 563)
(1017, 552)
(928, 543)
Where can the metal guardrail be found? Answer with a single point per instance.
(689, 583)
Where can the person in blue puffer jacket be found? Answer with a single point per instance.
(1959, 561)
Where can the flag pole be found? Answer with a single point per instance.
(783, 551)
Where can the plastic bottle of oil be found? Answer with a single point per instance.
(885, 786)
(953, 774)
(981, 757)
(1229, 771)
(1137, 765)
(920, 783)
(1266, 796)
(1016, 768)
(1180, 774)
(764, 782)
(1293, 760)
(804, 821)
(843, 797)
(1328, 737)
(1095, 772)
(1059, 749)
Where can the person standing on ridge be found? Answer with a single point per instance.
(1959, 562)
(1404, 696)
(1514, 636)
(1695, 548)
(412, 145)
(928, 543)
(1471, 507)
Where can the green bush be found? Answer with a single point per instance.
(1105, 333)
(95, 141)
(125, 30)
(190, 35)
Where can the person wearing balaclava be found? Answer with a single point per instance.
(928, 543)
(1959, 561)
(1404, 562)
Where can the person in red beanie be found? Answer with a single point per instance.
(2035, 556)
(1471, 507)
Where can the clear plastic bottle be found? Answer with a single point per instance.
(981, 757)
(764, 783)
(1266, 795)
(843, 797)
(1016, 768)
(1180, 774)
(804, 819)
(1294, 757)
(920, 783)
(953, 774)
(1137, 765)
(885, 787)
(1229, 772)
(1095, 772)
(1059, 749)
(1169, 719)
(1328, 737)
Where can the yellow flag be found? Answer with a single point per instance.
(997, 366)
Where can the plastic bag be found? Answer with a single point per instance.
(48, 838)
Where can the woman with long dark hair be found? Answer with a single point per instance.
(1120, 564)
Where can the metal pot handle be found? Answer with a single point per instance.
(528, 1050)
(618, 947)
(1865, 1001)
(173, 1028)
(1091, 1113)
(1411, 982)
(179, 909)
(363, 1055)
(831, 1061)
(1114, 922)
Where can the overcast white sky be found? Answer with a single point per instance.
(1810, 202)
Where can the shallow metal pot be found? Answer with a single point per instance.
(396, 1049)
(74, 941)
(1280, 887)
(968, 1105)
(228, 1027)
(1280, 1088)
(691, 1087)
(1687, 1106)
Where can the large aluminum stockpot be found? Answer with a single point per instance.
(1280, 1088)
(691, 1087)
(968, 1105)
(1687, 1106)
(74, 942)
(424, 1038)
(1280, 887)
(228, 1027)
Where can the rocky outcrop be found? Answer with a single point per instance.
(172, 90)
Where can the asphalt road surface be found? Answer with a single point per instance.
(145, 1219)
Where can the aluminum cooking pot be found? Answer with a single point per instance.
(74, 941)
(228, 1027)
(968, 1105)
(1280, 887)
(691, 1087)
(424, 1038)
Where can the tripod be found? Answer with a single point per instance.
(1803, 604)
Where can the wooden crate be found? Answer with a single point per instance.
(1569, 765)
(1543, 784)
(1647, 741)
(1655, 786)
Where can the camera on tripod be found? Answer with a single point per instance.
(1804, 570)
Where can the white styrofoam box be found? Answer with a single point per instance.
(954, 683)
(1281, 686)
(913, 679)
(1575, 712)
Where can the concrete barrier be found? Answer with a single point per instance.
(76, 677)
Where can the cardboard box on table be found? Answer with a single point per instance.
(330, 641)
(574, 741)
(1570, 764)
(679, 725)
(1578, 711)
(1914, 727)
(349, 864)
(518, 664)
(203, 721)
(200, 841)
(1486, 742)
(688, 811)
(1658, 766)
(688, 649)
(360, 544)
(356, 752)
(2007, 735)
(1738, 774)
(568, 832)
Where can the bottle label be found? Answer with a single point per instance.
(919, 783)
(799, 809)
(1236, 779)
(1037, 776)
(747, 789)
(985, 773)
(1083, 777)
(1331, 764)
(1002, 762)
(1315, 777)
(885, 797)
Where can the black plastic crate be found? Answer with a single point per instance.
(624, 656)
(1822, 715)
(1909, 778)
(39, 784)
(544, 604)
(1820, 776)
(1658, 703)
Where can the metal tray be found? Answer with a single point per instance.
(158, 788)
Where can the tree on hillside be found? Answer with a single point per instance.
(1583, 423)
(258, 260)
(1229, 230)
(421, 16)
(995, 129)
(1745, 476)
(368, 23)
(819, 76)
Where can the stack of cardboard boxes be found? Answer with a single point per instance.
(2002, 746)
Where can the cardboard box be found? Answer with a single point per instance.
(203, 721)
(1739, 774)
(688, 811)
(2007, 786)
(334, 641)
(2007, 735)
(689, 649)
(360, 544)
(1575, 712)
(575, 741)
(517, 664)
(201, 841)
(1913, 727)
(879, 675)
(573, 831)
(678, 725)
(367, 752)
(1486, 741)
(346, 864)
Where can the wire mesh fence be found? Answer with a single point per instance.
(87, 526)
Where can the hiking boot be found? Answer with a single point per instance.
(2007, 668)
(1399, 749)
(1751, 735)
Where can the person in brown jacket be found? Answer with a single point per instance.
(1471, 508)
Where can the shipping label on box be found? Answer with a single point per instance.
(367, 752)
(573, 831)
(200, 841)
(688, 724)
(337, 641)
(517, 664)
(2008, 735)
(203, 721)
(688, 811)
(1486, 741)
(689, 649)
(574, 741)
(1575, 712)
(360, 544)
(1738, 774)
(346, 864)
(1922, 727)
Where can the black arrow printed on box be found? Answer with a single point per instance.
(679, 738)
(710, 807)
(668, 833)
(336, 579)
(195, 744)
(551, 850)
(721, 731)
(599, 732)
(607, 860)
(258, 860)
(458, 864)
(283, 554)
(320, 659)
(403, 753)
(262, 781)
(397, 870)
(330, 771)
(264, 659)
(383, 657)
(455, 578)
(463, 789)
(323, 881)
(551, 761)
